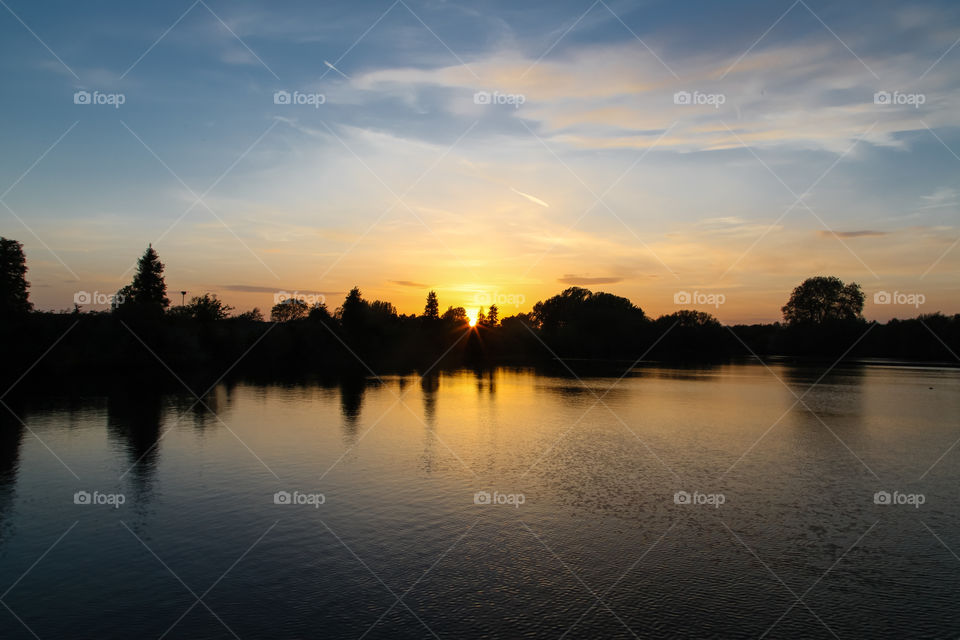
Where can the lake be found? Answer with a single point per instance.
(733, 501)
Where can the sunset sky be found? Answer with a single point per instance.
(584, 167)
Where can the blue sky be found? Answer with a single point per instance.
(582, 169)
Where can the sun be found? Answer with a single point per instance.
(475, 318)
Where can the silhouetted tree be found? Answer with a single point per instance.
(319, 312)
(580, 322)
(254, 315)
(148, 289)
(353, 313)
(14, 297)
(493, 317)
(823, 299)
(690, 335)
(432, 309)
(688, 318)
(289, 309)
(383, 310)
(481, 318)
(205, 308)
(555, 312)
(519, 320)
(455, 315)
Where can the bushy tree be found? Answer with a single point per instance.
(205, 308)
(587, 324)
(824, 299)
(353, 313)
(455, 315)
(688, 334)
(580, 309)
(383, 310)
(14, 297)
(319, 312)
(289, 309)
(688, 318)
(254, 315)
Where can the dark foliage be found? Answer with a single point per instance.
(822, 300)
(14, 297)
(573, 328)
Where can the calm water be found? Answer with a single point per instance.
(589, 541)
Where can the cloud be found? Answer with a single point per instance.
(409, 283)
(586, 280)
(248, 288)
(803, 95)
(942, 197)
(529, 197)
(252, 288)
(724, 220)
(863, 233)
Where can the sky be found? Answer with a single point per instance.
(681, 154)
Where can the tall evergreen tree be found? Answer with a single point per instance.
(432, 310)
(14, 297)
(148, 288)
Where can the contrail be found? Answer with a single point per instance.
(337, 70)
(531, 198)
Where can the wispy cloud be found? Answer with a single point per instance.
(587, 280)
(801, 95)
(529, 197)
(248, 288)
(252, 288)
(942, 197)
(863, 233)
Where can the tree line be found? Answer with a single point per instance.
(822, 318)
